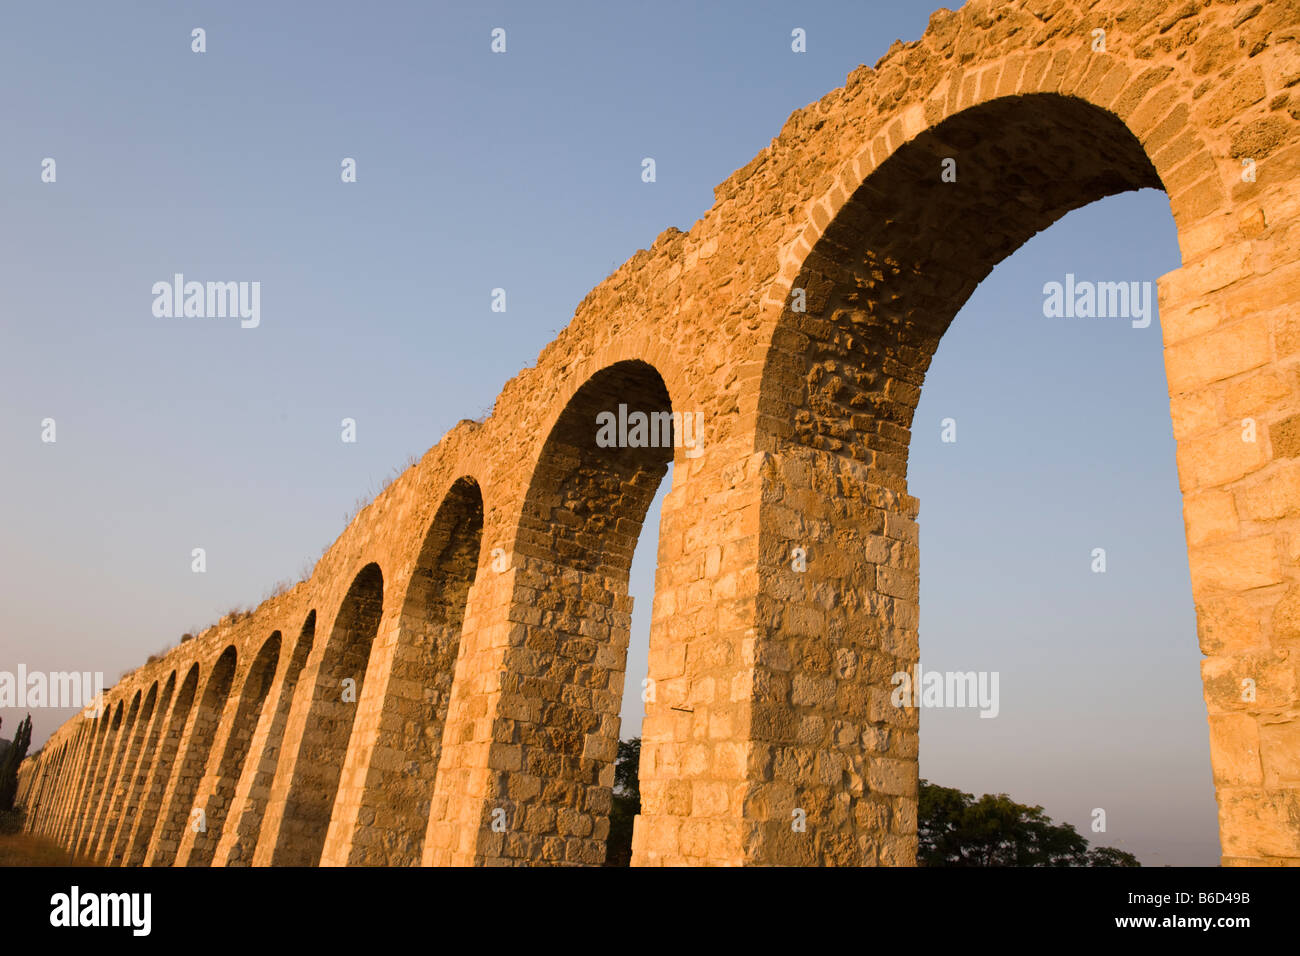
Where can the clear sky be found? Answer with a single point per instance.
(522, 171)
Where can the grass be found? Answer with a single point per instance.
(27, 849)
(238, 613)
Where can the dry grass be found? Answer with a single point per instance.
(366, 500)
(26, 849)
(237, 614)
(278, 588)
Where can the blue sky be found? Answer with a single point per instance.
(522, 171)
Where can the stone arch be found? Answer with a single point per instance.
(36, 775)
(36, 778)
(42, 821)
(149, 822)
(60, 766)
(117, 794)
(85, 774)
(880, 286)
(110, 730)
(86, 739)
(390, 823)
(220, 796)
(37, 790)
(63, 766)
(905, 252)
(563, 675)
(117, 758)
(82, 741)
(119, 836)
(67, 767)
(239, 843)
(886, 259)
(310, 801)
(199, 733)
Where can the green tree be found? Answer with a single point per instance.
(955, 829)
(9, 764)
(1109, 856)
(626, 803)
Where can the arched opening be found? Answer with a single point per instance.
(908, 249)
(563, 682)
(67, 774)
(149, 822)
(38, 802)
(238, 844)
(85, 759)
(1075, 593)
(181, 810)
(137, 786)
(400, 778)
(257, 684)
(61, 768)
(85, 773)
(329, 722)
(81, 742)
(118, 757)
(36, 790)
(36, 779)
(882, 285)
(121, 789)
(95, 785)
(638, 690)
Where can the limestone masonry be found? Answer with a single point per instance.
(480, 605)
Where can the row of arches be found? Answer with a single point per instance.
(185, 770)
(242, 761)
(448, 714)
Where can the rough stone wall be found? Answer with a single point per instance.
(771, 686)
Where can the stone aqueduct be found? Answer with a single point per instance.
(480, 602)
